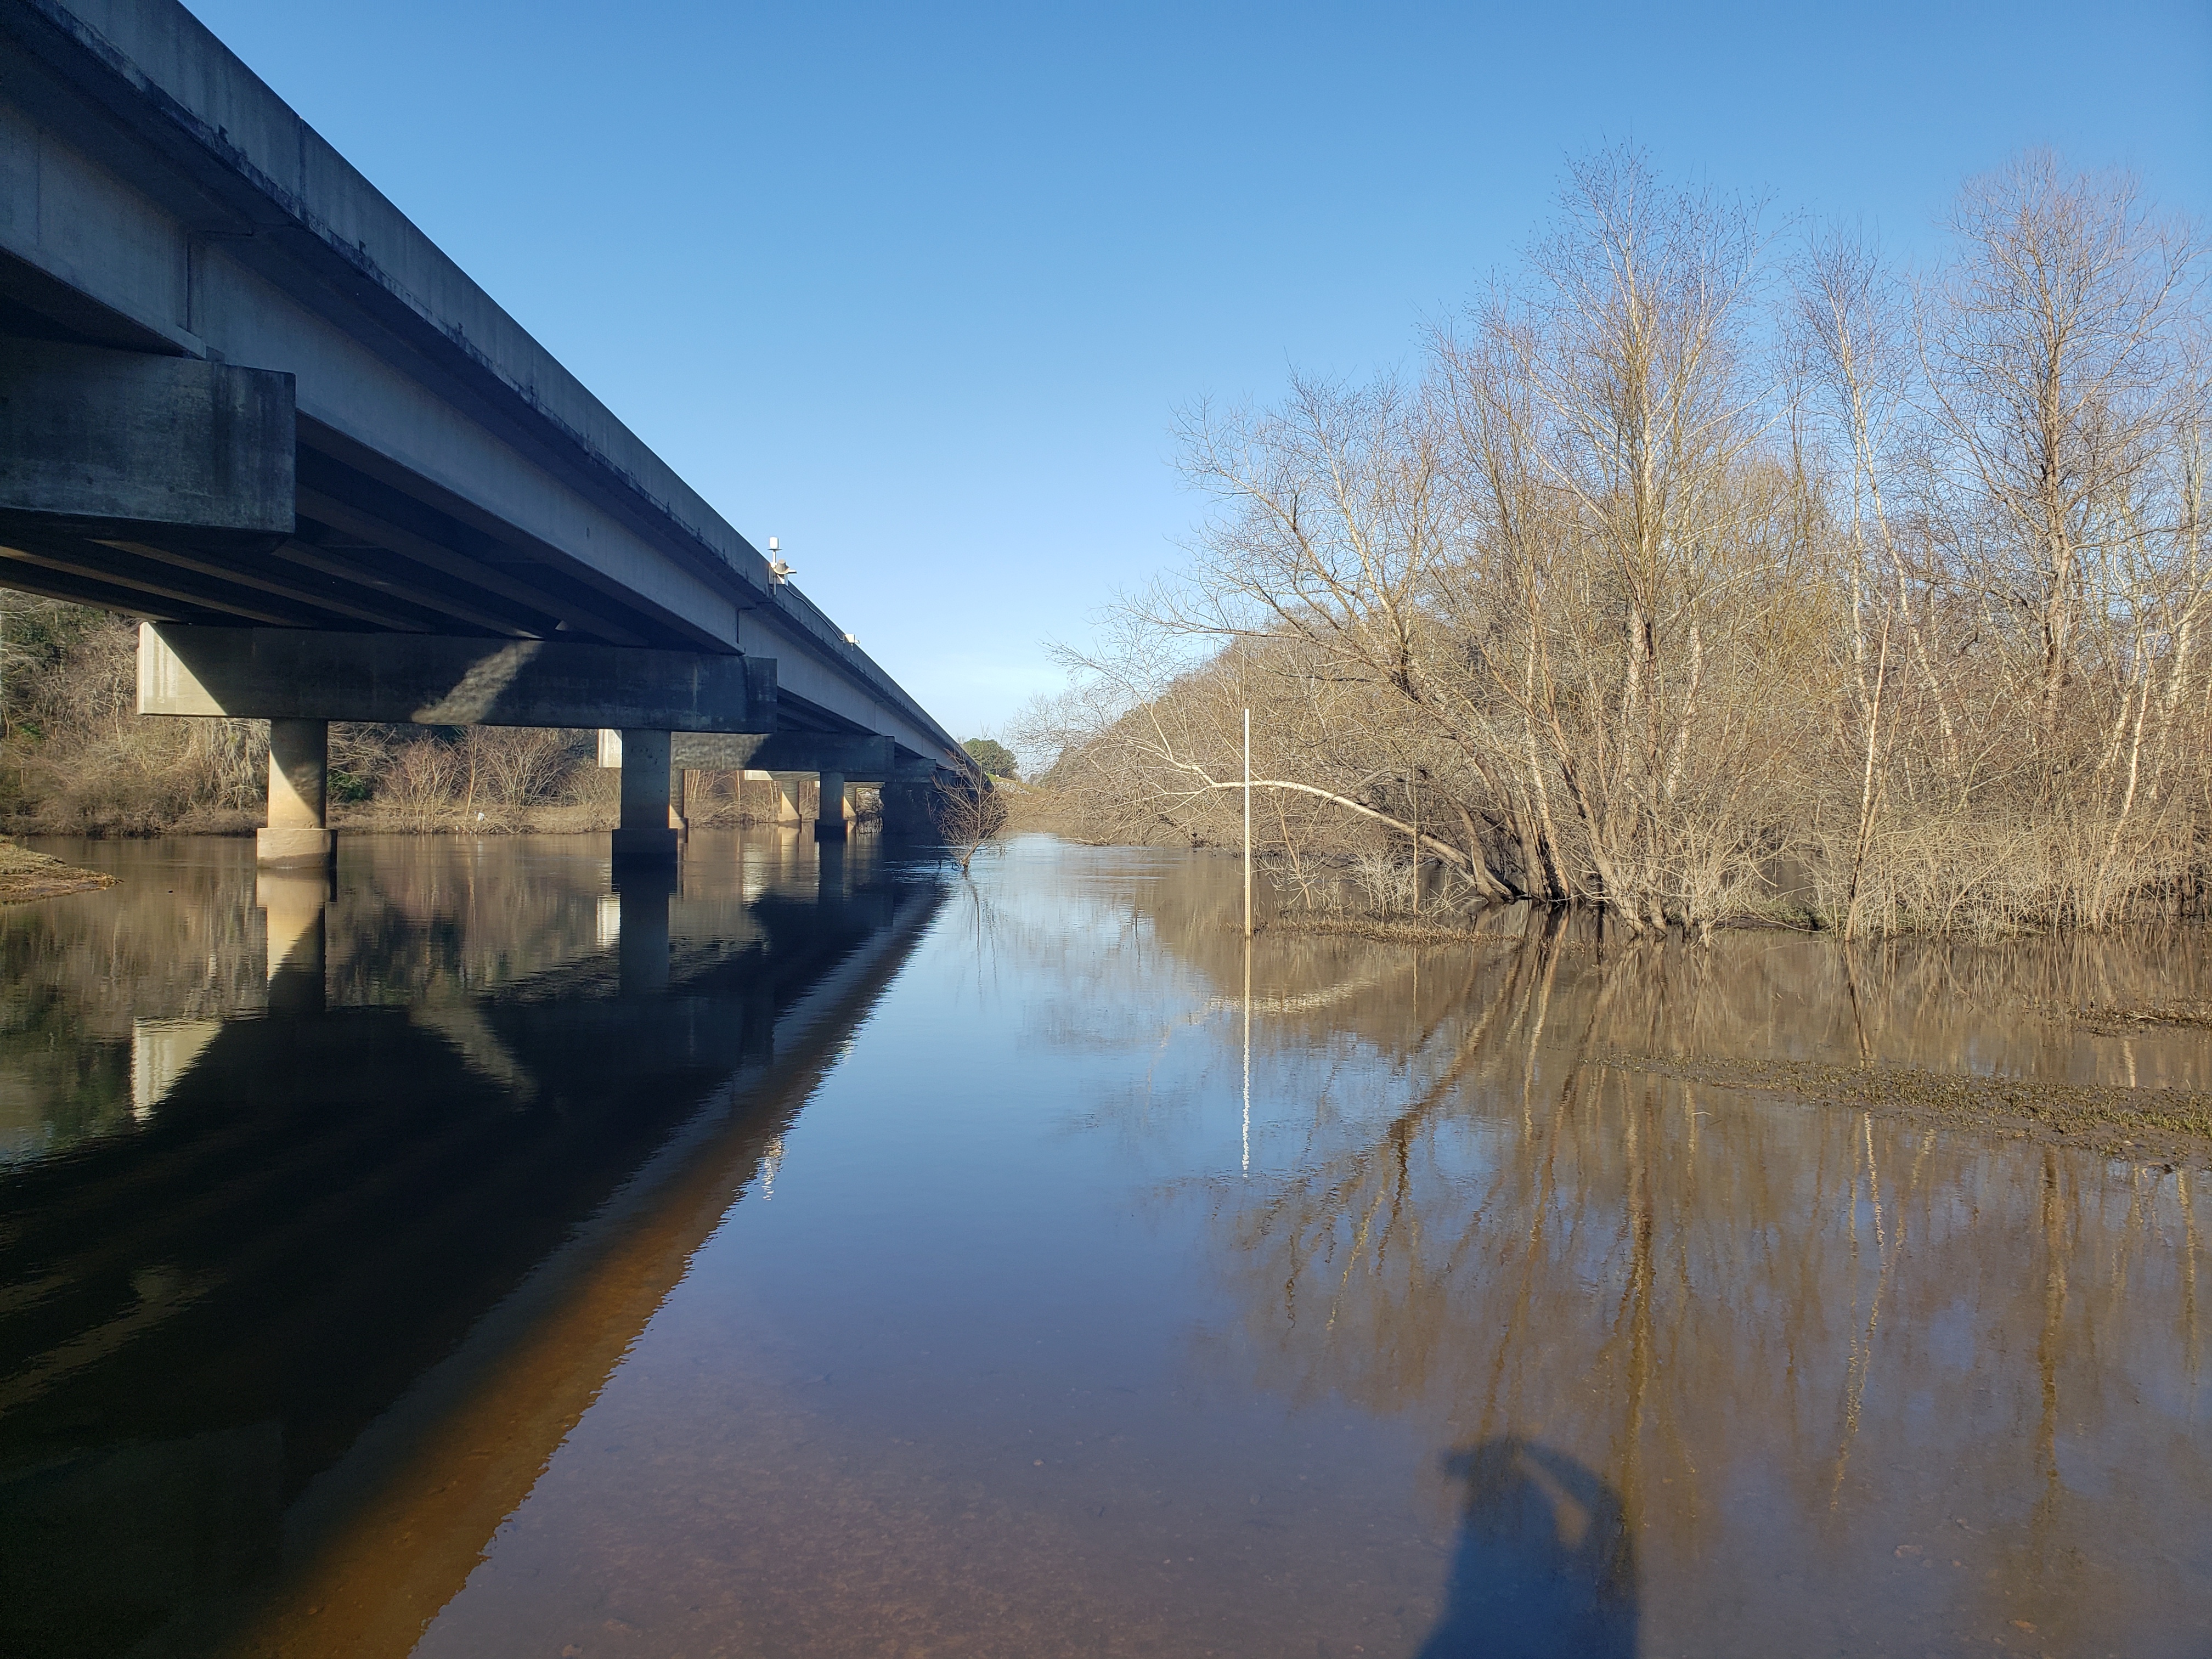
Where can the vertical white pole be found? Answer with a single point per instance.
(1248, 823)
(1417, 843)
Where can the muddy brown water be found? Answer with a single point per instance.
(841, 1258)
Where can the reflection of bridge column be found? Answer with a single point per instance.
(644, 837)
(642, 946)
(298, 835)
(830, 884)
(829, 810)
(293, 901)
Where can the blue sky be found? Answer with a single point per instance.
(917, 289)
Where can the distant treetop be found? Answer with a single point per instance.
(993, 756)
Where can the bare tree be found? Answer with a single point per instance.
(2050, 349)
(968, 812)
(1698, 618)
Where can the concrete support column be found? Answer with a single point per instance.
(679, 802)
(644, 837)
(829, 810)
(298, 835)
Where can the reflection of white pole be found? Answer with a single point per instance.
(1248, 839)
(1247, 1166)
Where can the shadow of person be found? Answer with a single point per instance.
(1545, 1567)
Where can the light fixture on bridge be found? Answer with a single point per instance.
(776, 568)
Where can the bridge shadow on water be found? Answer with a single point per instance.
(326, 1231)
(1545, 1566)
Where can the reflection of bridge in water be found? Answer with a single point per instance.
(352, 1267)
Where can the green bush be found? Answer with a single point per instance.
(993, 757)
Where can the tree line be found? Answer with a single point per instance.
(1704, 572)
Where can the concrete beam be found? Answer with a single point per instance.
(862, 760)
(110, 443)
(919, 770)
(274, 673)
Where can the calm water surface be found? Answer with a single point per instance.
(834, 1258)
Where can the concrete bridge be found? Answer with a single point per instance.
(243, 398)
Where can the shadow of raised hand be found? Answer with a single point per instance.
(1545, 1567)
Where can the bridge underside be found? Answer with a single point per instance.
(118, 462)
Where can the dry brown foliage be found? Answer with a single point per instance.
(77, 759)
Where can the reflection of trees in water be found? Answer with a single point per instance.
(427, 920)
(172, 940)
(1700, 1294)
(170, 943)
(1845, 1346)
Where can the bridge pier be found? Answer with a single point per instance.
(829, 810)
(783, 759)
(644, 838)
(300, 680)
(298, 835)
(686, 711)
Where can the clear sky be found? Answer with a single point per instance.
(917, 289)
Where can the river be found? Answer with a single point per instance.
(834, 1255)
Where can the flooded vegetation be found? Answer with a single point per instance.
(830, 1256)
